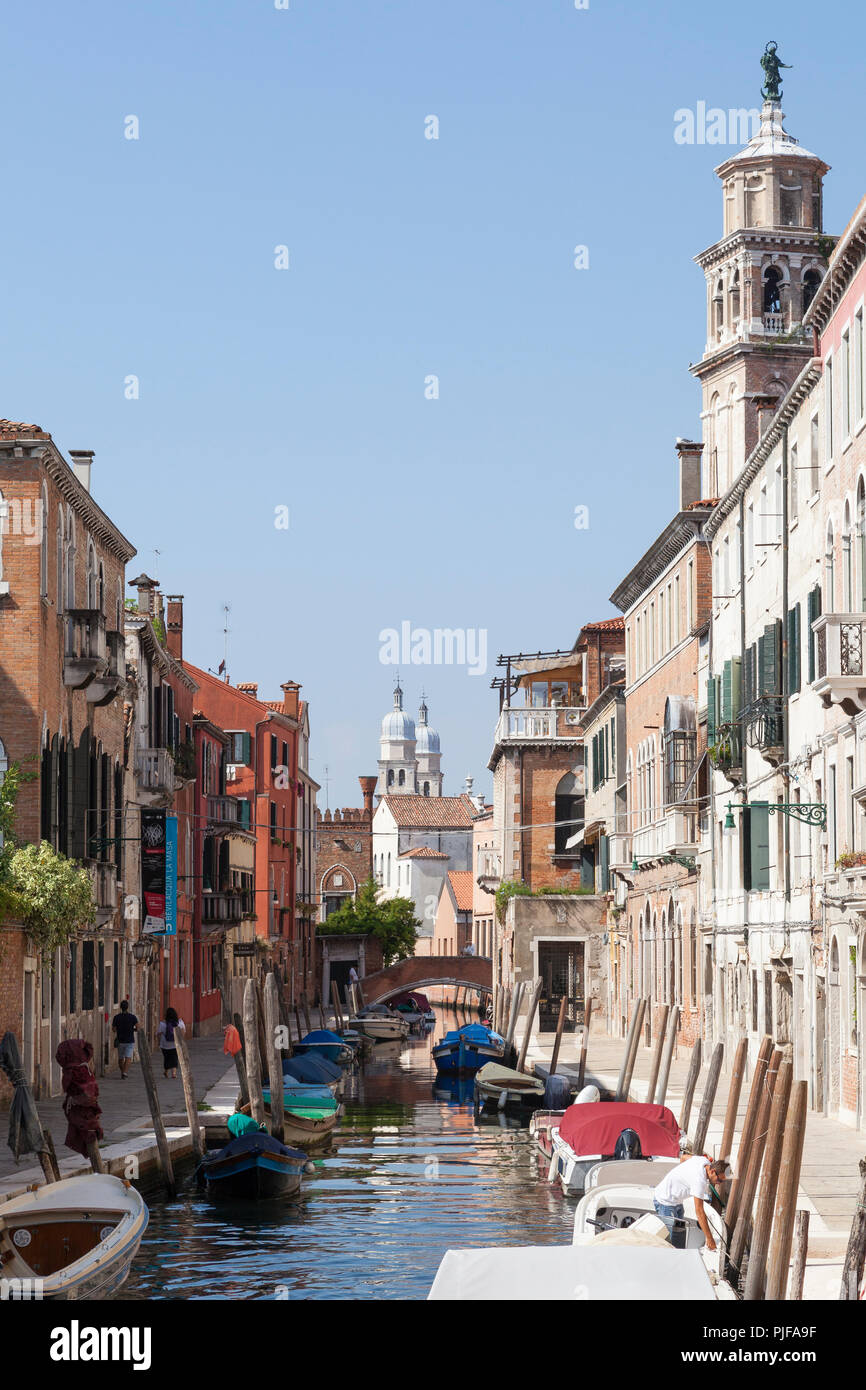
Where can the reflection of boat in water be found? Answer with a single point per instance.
(456, 1090)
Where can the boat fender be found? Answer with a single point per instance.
(309, 1166)
(588, 1096)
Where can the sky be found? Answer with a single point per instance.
(393, 418)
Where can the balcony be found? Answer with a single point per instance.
(554, 724)
(104, 877)
(108, 683)
(620, 852)
(223, 810)
(222, 909)
(154, 770)
(86, 649)
(839, 668)
(676, 833)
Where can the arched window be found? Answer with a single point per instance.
(43, 542)
(811, 281)
(679, 958)
(401, 778)
(772, 290)
(568, 811)
(719, 309)
(70, 559)
(61, 560)
(847, 565)
(860, 547)
(426, 788)
(735, 300)
(119, 606)
(390, 776)
(90, 598)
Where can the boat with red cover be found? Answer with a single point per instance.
(590, 1134)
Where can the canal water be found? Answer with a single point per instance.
(410, 1174)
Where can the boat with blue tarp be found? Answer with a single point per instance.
(468, 1048)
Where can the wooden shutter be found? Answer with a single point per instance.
(748, 675)
(245, 739)
(813, 611)
(604, 864)
(769, 653)
(726, 693)
(756, 846)
(794, 649)
(712, 712)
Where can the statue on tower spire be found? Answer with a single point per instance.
(771, 64)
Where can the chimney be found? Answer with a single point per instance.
(146, 590)
(82, 462)
(249, 688)
(689, 454)
(368, 786)
(290, 691)
(174, 625)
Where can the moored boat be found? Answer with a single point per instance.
(589, 1134)
(305, 1097)
(253, 1166)
(380, 1023)
(502, 1087)
(468, 1048)
(76, 1238)
(314, 1070)
(324, 1043)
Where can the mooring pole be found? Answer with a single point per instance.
(275, 1066)
(189, 1095)
(691, 1082)
(710, 1086)
(667, 1057)
(254, 1069)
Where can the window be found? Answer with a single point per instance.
(239, 747)
(830, 568)
(845, 369)
(273, 805)
(568, 811)
(43, 542)
(680, 746)
(274, 745)
(793, 489)
(690, 597)
(847, 572)
(750, 536)
(87, 975)
(829, 408)
(858, 365)
(676, 619)
(811, 281)
(756, 829)
(814, 455)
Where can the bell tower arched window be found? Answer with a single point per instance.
(772, 290)
(811, 281)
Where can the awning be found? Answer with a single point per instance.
(575, 840)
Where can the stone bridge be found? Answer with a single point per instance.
(476, 972)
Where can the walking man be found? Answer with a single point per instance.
(124, 1025)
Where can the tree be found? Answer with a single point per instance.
(392, 922)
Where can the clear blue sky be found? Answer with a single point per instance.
(408, 257)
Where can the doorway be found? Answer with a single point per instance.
(560, 966)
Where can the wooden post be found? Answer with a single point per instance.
(798, 1256)
(298, 1023)
(753, 1161)
(560, 1024)
(632, 1054)
(667, 1057)
(760, 1241)
(496, 994)
(48, 1159)
(512, 1022)
(321, 1014)
(338, 1013)
(620, 1085)
(656, 1060)
(691, 1082)
(763, 1058)
(240, 1062)
(530, 1018)
(734, 1098)
(306, 1008)
(155, 1112)
(710, 1086)
(96, 1160)
(189, 1095)
(254, 1068)
(786, 1194)
(283, 1010)
(275, 1066)
(584, 1044)
(855, 1255)
(260, 1019)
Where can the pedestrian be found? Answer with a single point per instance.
(166, 1042)
(124, 1025)
(690, 1178)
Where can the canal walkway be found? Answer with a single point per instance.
(829, 1180)
(126, 1117)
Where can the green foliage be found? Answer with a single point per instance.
(53, 894)
(8, 796)
(392, 922)
(184, 761)
(514, 888)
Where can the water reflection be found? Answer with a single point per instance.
(410, 1173)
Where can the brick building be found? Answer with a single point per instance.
(345, 851)
(62, 677)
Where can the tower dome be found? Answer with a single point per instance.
(428, 754)
(398, 765)
(427, 739)
(397, 724)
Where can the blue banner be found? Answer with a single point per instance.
(171, 876)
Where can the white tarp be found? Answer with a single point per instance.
(568, 1272)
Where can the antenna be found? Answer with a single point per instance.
(327, 787)
(226, 631)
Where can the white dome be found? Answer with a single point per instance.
(428, 740)
(398, 725)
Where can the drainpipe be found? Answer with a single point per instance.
(786, 692)
(743, 751)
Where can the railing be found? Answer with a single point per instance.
(839, 644)
(620, 851)
(85, 634)
(155, 769)
(223, 809)
(676, 832)
(554, 722)
(222, 907)
(775, 324)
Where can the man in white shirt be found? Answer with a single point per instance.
(691, 1178)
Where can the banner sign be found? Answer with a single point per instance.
(244, 948)
(159, 872)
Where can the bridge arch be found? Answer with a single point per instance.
(421, 972)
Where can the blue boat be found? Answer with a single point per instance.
(312, 1068)
(253, 1166)
(324, 1043)
(297, 1093)
(468, 1048)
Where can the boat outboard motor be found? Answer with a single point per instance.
(628, 1145)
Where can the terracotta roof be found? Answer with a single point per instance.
(704, 502)
(461, 886)
(13, 429)
(431, 811)
(423, 852)
(606, 625)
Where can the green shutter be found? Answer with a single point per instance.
(604, 864)
(245, 739)
(756, 846)
(244, 813)
(794, 649)
(587, 868)
(769, 653)
(613, 746)
(813, 610)
(712, 713)
(727, 693)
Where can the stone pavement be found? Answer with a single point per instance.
(124, 1104)
(829, 1179)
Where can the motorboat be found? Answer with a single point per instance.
(601, 1270)
(414, 1007)
(326, 1044)
(502, 1087)
(543, 1122)
(626, 1205)
(380, 1023)
(468, 1048)
(588, 1134)
(621, 1170)
(253, 1166)
(73, 1239)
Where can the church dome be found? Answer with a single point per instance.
(397, 724)
(428, 739)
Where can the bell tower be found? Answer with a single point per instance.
(760, 279)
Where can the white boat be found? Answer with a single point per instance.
(598, 1271)
(384, 1026)
(588, 1134)
(73, 1239)
(502, 1086)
